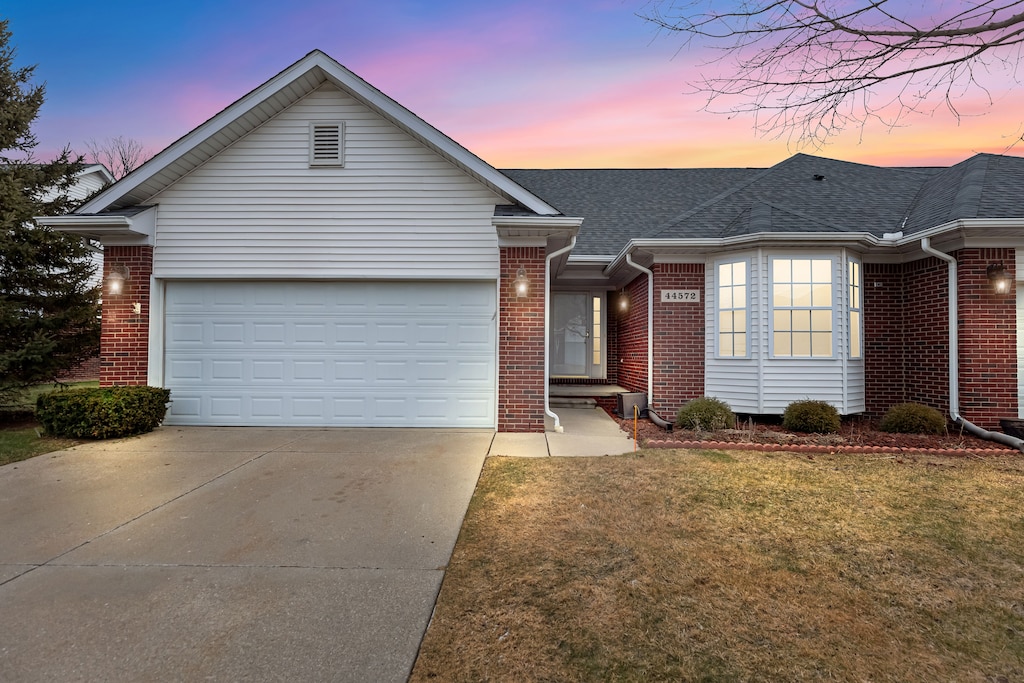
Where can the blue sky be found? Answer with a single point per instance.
(533, 83)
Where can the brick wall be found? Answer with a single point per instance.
(988, 339)
(631, 339)
(124, 339)
(884, 384)
(925, 318)
(521, 343)
(906, 337)
(678, 338)
(86, 371)
(611, 366)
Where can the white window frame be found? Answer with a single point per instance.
(773, 307)
(855, 307)
(719, 309)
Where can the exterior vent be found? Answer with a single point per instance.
(327, 143)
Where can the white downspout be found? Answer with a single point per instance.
(547, 332)
(954, 357)
(650, 328)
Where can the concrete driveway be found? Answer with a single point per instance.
(230, 554)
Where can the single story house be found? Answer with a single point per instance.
(316, 254)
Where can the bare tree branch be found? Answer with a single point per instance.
(120, 155)
(808, 69)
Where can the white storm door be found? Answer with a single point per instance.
(576, 334)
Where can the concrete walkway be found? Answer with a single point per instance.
(587, 432)
(230, 554)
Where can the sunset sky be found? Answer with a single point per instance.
(522, 84)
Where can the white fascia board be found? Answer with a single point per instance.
(704, 245)
(585, 260)
(81, 224)
(347, 80)
(965, 226)
(108, 229)
(513, 230)
(528, 241)
(564, 224)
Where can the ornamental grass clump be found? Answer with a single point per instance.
(913, 418)
(705, 414)
(102, 413)
(811, 417)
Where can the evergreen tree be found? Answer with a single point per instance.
(48, 308)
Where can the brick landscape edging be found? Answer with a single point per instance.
(817, 448)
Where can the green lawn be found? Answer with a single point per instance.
(20, 437)
(23, 442)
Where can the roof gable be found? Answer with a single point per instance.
(273, 97)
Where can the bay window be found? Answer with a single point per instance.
(802, 312)
(856, 292)
(732, 309)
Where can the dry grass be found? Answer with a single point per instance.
(712, 566)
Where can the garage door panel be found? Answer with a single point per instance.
(258, 408)
(344, 354)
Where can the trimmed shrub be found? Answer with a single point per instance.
(811, 417)
(104, 413)
(705, 414)
(913, 418)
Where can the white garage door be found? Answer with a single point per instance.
(380, 354)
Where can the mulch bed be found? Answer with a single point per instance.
(856, 436)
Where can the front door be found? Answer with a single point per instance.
(577, 341)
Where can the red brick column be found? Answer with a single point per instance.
(678, 338)
(124, 337)
(884, 340)
(925, 319)
(521, 343)
(988, 339)
(631, 334)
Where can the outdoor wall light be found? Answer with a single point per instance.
(521, 283)
(622, 303)
(118, 275)
(999, 278)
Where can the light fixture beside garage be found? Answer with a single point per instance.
(118, 275)
(522, 283)
(1000, 279)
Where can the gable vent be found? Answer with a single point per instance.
(326, 143)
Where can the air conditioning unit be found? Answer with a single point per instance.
(626, 401)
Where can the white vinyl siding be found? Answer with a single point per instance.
(86, 184)
(763, 384)
(257, 210)
(343, 354)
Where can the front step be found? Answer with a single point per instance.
(568, 402)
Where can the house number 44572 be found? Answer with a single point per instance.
(680, 295)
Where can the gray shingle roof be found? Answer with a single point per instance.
(619, 204)
(808, 194)
(984, 186)
(803, 194)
